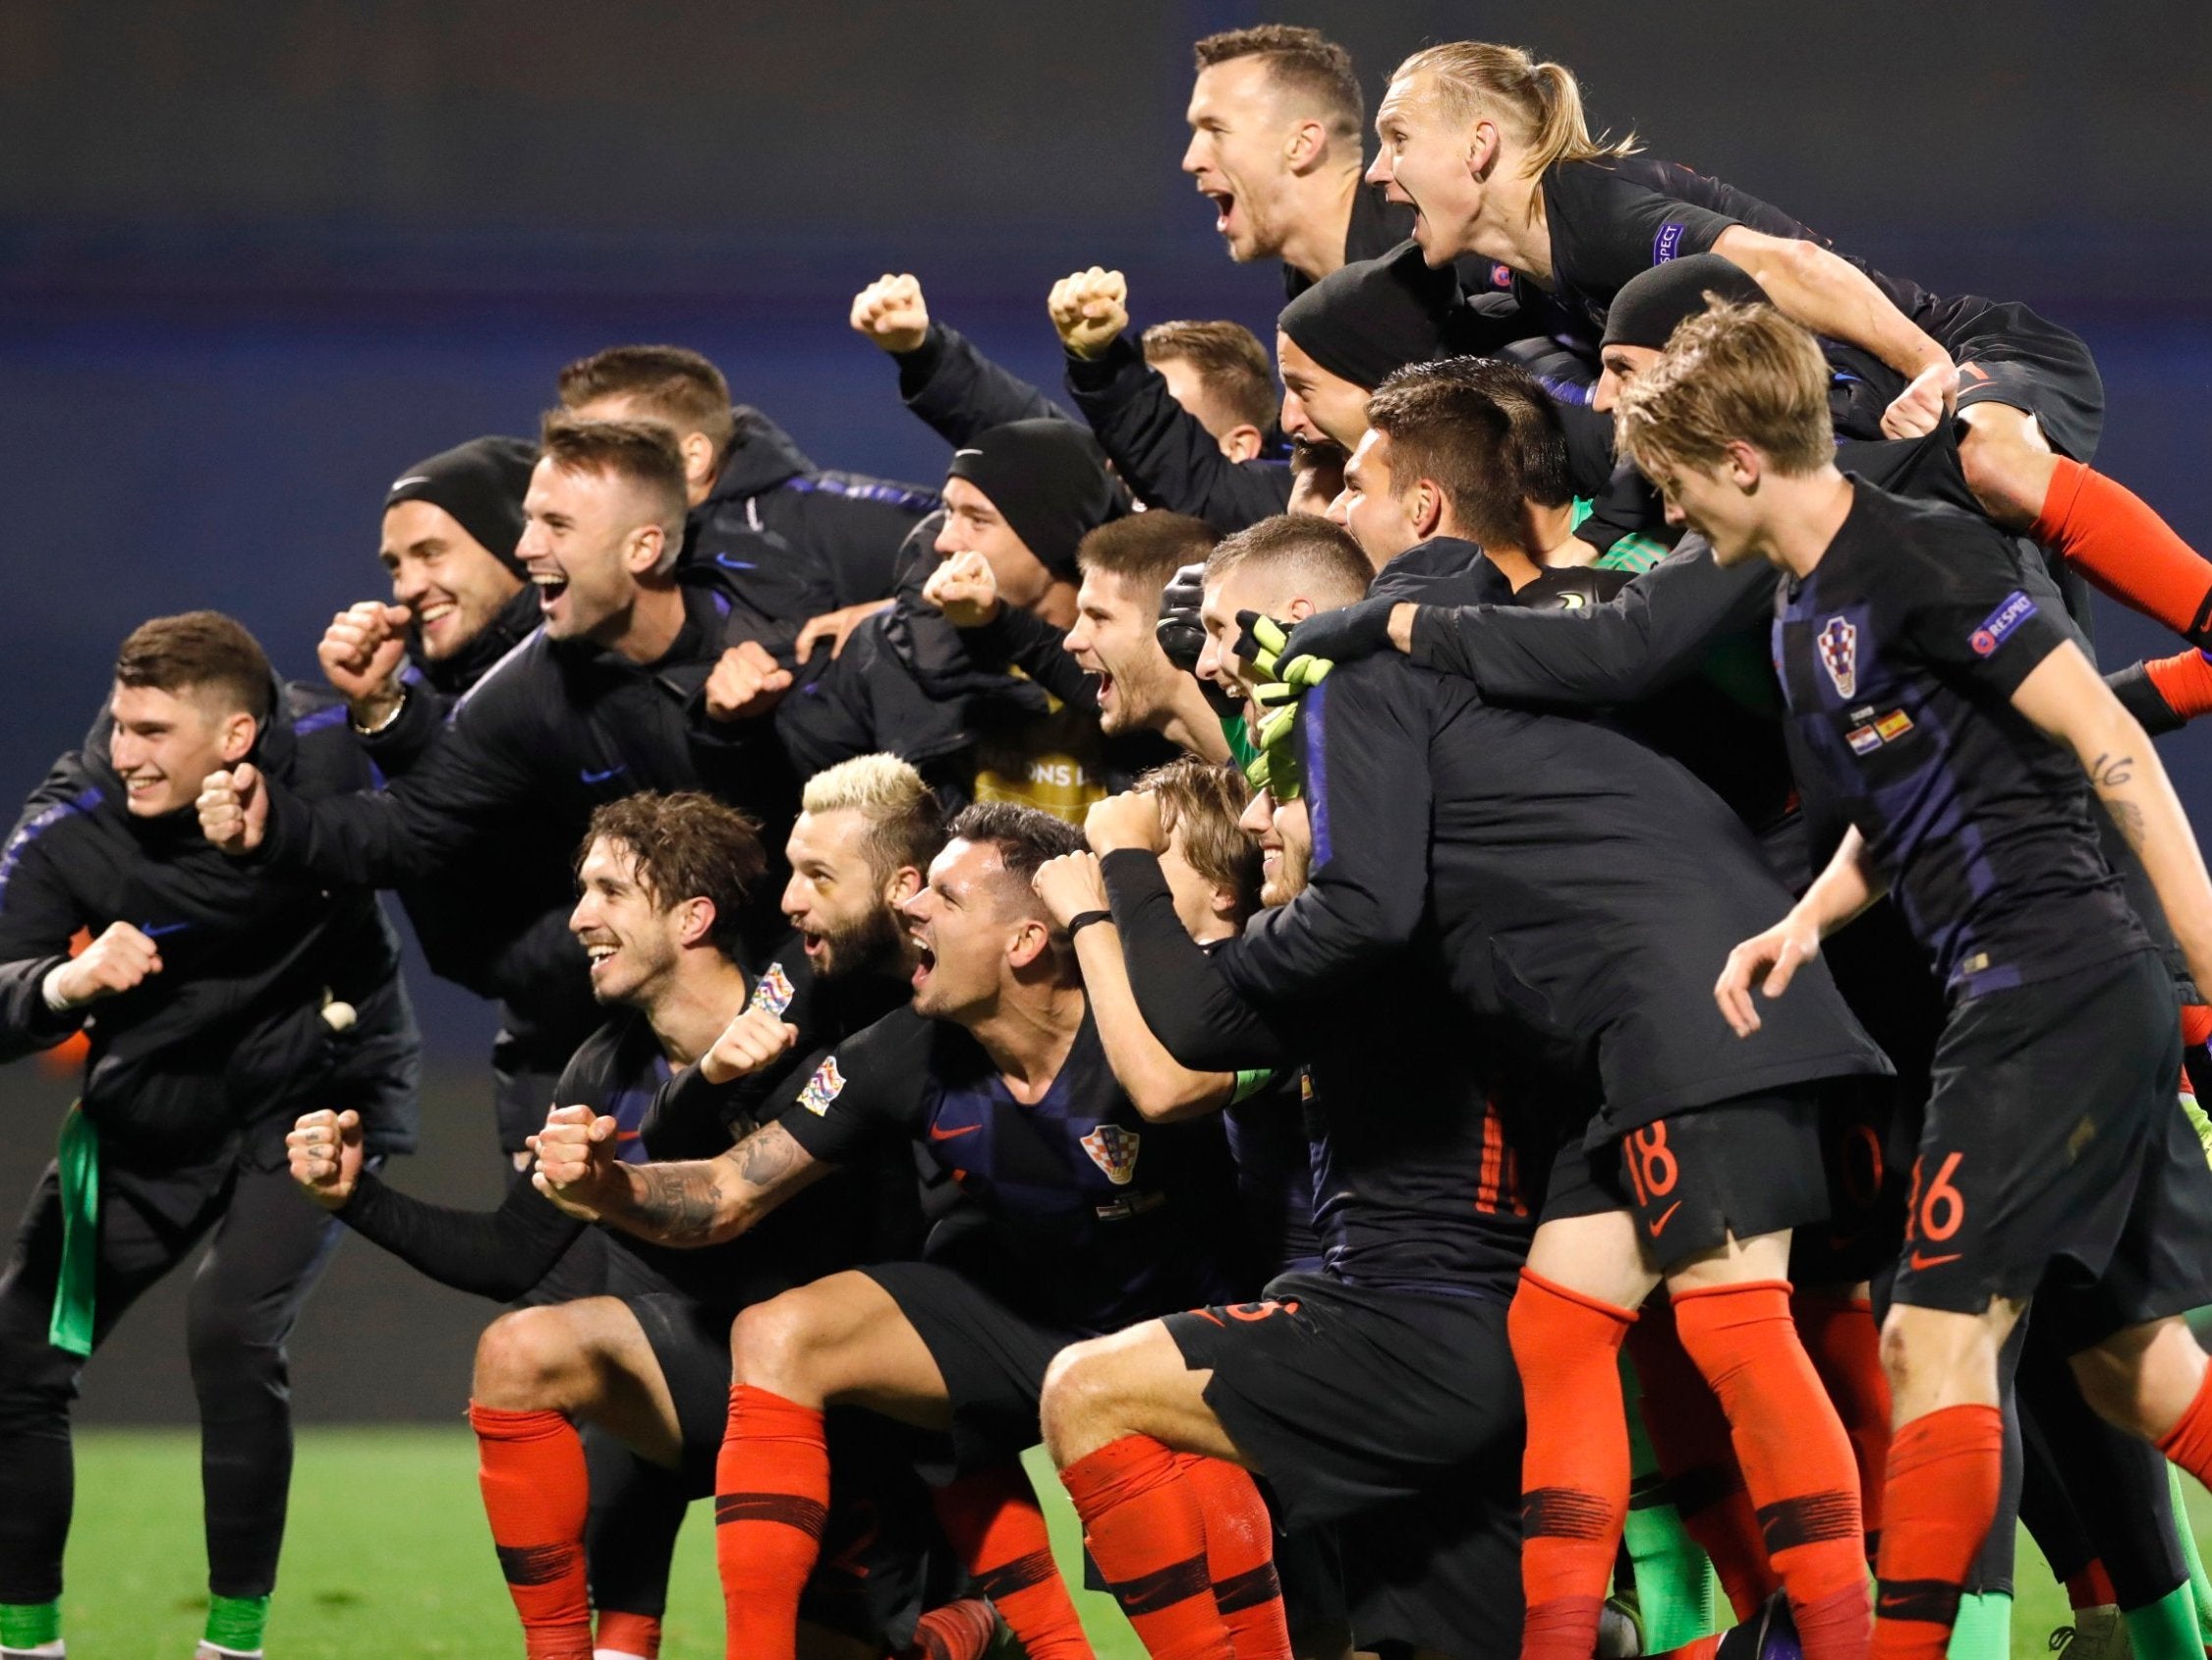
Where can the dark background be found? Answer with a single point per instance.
(257, 258)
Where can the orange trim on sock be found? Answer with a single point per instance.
(2121, 543)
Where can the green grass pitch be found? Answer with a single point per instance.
(387, 1557)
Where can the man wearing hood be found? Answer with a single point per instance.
(229, 998)
(460, 602)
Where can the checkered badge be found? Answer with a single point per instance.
(1838, 654)
(1113, 1150)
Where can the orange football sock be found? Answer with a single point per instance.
(2196, 1025)
(1797, 1461)
(536, 1493)
(1690, 1439)
(958, 1630)
(1945, 1472)
(771, 1497)
(2185, 681)
(2190, 1442)
(995, 1525)
(2091, 1587)
(628, 1633)
(1240, 1556)
(1845, 1348)
(1574, 1473)
(1142, 1523)
(2115, 540)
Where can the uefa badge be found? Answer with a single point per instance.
(1838, 654)
(827, 1084)
(774, 990)
(1113, 1150)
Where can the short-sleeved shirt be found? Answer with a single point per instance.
(1098, 1217)
(1900, 655)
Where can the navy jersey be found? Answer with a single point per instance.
(1900, 655)
(1096, 1219)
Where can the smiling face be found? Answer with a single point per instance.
(1113, 639)
(965, 924)
(1317, 403)
(1377, 518)
(442, 573)
(1285, 832)
(973, 525)
(631, 942)
(1622, 365)
(845, 914)
(1426, 159)
(163, 744)
(1239, 156)
(587, 537)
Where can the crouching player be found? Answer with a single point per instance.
(1933, 707)
(1085, 1216)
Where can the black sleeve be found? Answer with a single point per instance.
(498, 1254)
(869, 1089)
(1654, 633)
(1034, 646)
(960, 392)
(541, 955)
(1368, 793)
(1198, 1016)
(1163, 451)
(37, 917)
(1970, 615)
(397, 747)
(1607, 227)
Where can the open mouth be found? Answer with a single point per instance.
(1224, 205)
(598, 954)
(1106, 688)
(925, 961)
(551, 585)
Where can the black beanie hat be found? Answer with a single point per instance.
(482, 484)
(1364, 321)
(1651, 303)
(1049, 479)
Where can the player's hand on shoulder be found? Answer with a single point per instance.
(892, 312)
(755, 1039)
(122, 957)
(1928, 397)
(746, 682)
(1130, 820)
(1769, 960)
(576, 1160)
(836, 627)
(325, 1151)
(965, 589)
(234, 808)
(362, 654)
(1070, 885)
(1089, 309)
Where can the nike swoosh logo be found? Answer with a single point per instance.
(1925, 1262)
(153, 933)
(936, 1134)
(591, 777)
(1666, 1216)
(729, 564)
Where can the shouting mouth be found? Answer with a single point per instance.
(551, 585)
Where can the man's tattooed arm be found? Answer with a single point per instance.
(2111, 773)
(703, 1202)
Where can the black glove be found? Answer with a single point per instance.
(1179, 632)
(1358, 630)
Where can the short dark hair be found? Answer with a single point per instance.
(1303, 61)
(1484, 432)
(1146, 549)
(1025, 836)
(1205, 800)
(644, 451)
(1233, 367)
(199, 650)
(1319, 552)
(905, 821)
(687, 846)
(671, 383)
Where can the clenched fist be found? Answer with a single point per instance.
(965, 589)
(754, 1040)
(1069, 885)
(1090, 310)
(1130, 820)
(746, 682)
(576, 1165)
(360, 653)
(234, 808)
(324, 1149)
(891, 312)
(1919, 409)
(118, 959)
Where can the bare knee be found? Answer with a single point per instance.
(1077, 1407)
(2008, 463)
(777, 1345)
(531, 1361)
(2144, 1379)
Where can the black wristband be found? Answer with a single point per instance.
(1081, 920)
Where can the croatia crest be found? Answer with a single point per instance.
(827, 1084)
(1838, 654)
(774, 989)
(1113, 1150)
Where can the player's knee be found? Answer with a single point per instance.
(522, 1358)
(228, 1349)
(2007, 469)
(774, 1345)
(1081, 1391)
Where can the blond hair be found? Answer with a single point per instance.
(905, 824)
(1539, 103)
(1730, 373)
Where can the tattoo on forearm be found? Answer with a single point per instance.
(2106, 773)
(678, 1202)
(767, 1156)
(2129, 818)
(2110, 771)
